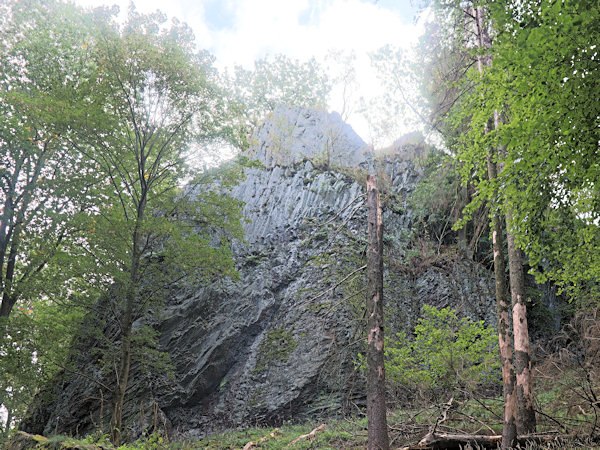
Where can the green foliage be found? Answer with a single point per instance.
(543, 80)
(436, 202)
(153, 441)
(97, 120)
(33, 349)
(398, 108)
(44, 182)
(152, 97)
(445, 353)
(436, 194)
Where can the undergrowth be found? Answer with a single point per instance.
(406, 427)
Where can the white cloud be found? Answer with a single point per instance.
(274, 26)
(298, 28)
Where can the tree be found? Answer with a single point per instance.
(151, 97)
(43, 181)
(376, 398)
(546, 73)
(44, 187)
(478, 149)
(38, 333)
(542, 78)
(516, 411)
(399, 105)
(473, 157)
(445, 353)
(344, 82)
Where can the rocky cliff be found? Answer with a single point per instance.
(281, 342)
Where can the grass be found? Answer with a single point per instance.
(337, 434)
(406, 427)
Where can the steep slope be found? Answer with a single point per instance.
(281, 342)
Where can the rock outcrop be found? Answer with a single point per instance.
(282, 341)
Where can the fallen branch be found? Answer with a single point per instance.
(310, 435)
(457, 441)
(439, 441)
(441, 418)
(252, 444)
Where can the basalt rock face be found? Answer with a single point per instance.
(281, 342)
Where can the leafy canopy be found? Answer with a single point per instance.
(544, 79)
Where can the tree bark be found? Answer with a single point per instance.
(376, 399)
(526, 422)
(116, 421)
(462, 200)
(131, 294)
(509, 427)
(9, 418)
(479, 224)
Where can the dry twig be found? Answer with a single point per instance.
(252, 444)
(310, 435)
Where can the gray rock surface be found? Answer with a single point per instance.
(293, 135)
(281, 342)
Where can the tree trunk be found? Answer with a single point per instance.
(9, 298)
(509, 427)
(131, 295)
(525, 401)
(116, 421)
(7, 304)
(376, 400)
(480, 223)
(445, 441)
(9, 418)
(462, 201)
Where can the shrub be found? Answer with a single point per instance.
(445, 355)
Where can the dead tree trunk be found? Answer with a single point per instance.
(522, 358)
(376, 401)
(509, 428)
(525, 401)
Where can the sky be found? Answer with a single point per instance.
(238, 32)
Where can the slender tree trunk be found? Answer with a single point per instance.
(9, 297)
(116, 422)
(376, 399)
(479, 225)
(522, 359)
(525, 401)
(509, 427)
(131, 294)
(7, 304)
(462, 202)
(9, 418)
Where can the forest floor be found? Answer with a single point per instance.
(406, 429)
